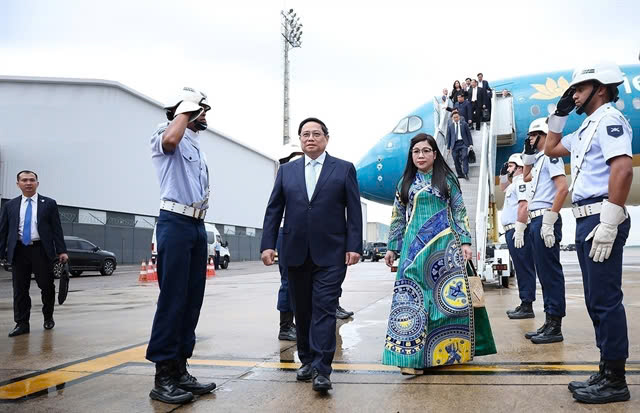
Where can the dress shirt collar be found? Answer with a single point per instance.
(34, 198)
(320, 159)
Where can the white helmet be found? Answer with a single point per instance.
(193, 100)
(606, 73)
(517, 159)
(288, 152)
(539, 124)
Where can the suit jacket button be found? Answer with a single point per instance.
(309, 206)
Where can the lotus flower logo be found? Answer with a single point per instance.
(551, 89)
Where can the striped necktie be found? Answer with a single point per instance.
(26, 231)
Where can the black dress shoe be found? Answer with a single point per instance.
(21, 328)
(49, 324)
(304, 373)
(188, 383)
(595, 378)
(466, 176)
(166, 387)
(342, 314)
(321, 383)
(611, 388)
(287, 330)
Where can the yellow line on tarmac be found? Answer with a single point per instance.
(83, 369)
(44, 381)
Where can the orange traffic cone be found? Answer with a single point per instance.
(143, 272)
(210, 269)
(151, 272)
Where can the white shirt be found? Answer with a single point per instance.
(543, 189)
(318, 166)
(457, 125)
(479, 83)
(35, 236)
(474, 94)
(517, 191)
(612, 138)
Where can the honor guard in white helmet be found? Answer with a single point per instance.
(602, 171)
(548, 191)
(183, 174)
(514, 218)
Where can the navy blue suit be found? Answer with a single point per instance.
(464, 109)
(37, 258)
(316, 238)
(460, 149)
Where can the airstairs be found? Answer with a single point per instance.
(479, 191)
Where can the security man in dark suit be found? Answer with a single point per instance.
(313, 193)
(459, 142)
(31, 239)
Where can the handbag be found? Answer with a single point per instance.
(472, 156)
(476, 290)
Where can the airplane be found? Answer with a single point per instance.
(532, 97)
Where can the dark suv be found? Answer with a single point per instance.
(85, 256)
(378, 251)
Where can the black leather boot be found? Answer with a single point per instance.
(189, 383)
(611, 388)
(524, 310)
(287, 327)
(539, 330)
(575, 385)
(166, 387)
(551, 334)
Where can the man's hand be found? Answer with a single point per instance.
(546, 231)
(63, 257)
(268, 256)
(351, 258)
(566, 104)
(604, 234)
(505, 168)
(466, 252)
(389, 258)
(518, 235)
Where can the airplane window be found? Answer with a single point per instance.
(402, 126)
(415, 123)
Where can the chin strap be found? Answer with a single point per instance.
(582, 107)
(199, 125)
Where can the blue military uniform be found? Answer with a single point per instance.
(523, 258)
(607, 135)
(182, 247)
(547, 260)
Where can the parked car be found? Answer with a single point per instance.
(86, 256)
(366, 251)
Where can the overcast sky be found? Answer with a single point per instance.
(362, 66)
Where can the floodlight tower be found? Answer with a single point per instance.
(292, 34)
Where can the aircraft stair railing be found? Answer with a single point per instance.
(440, 121)
(486, 214)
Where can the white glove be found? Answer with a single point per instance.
(528, 159)
(556, 123)
(518, 235)
(604, 234)
(546, 232)
(187, 106)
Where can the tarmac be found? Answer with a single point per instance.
(93, 360)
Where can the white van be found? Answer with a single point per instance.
(213, 238)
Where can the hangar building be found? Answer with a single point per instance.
(89, 142)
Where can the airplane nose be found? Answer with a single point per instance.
(379, 171)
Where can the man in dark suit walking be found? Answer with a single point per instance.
(464, 108)
(318, 244)
(31, 239)
(459, 142)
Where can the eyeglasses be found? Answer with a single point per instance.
(425, 152)
(315, 134)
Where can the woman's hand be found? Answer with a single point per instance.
(466, 252)
(389, 258)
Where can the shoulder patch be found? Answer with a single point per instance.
(522, 188)
(614, 130)
(553, 160)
